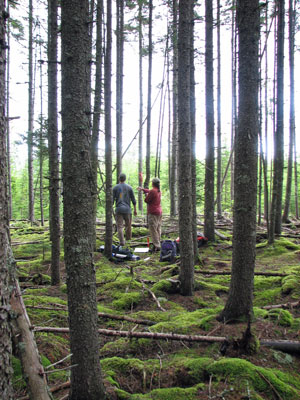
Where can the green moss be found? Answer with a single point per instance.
(280, 246)
(127, 300)
(163, 286)
(259, 312)
(282, 317)
(197, 368)
(262, 380)
(154, 316)
(268, 296)
(188, 321)
(205, 284)
(289, 284)
(266, 282)
(31, 299)
(122, 395)
(19, 382)
(175, 393)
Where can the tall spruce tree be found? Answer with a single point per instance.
(6, 389)
(209, 220)
(53, 143)
(285, 216)
(276, 206)
(174, 151)
(108, 150)
(97, 109)
(239, 302)
(86, 381)
(119, 82)
(186, 276)
(30, 116)
(149, 98)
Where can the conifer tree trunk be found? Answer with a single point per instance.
(149, 101)
(266, 117)
(41, 141)
(6, 372)
(193, 134)
(174, 151)
(140, 163)
(9, 194)
(108, 150)
(219, 122)
(30, 117)
(292, 111)
(209, 224)
(86, 381)
(276, 206)
(119, 83)
(54, 220)
(97, 111)
(239, 302)
(233, 93)
(186, 276)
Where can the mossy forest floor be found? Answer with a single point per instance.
(168, 370)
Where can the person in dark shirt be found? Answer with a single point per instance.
(154, 211)
(122, 197)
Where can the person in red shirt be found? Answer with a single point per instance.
(154, 211)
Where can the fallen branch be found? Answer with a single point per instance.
(145, 335)
(288, 345)
(54, 389)
(285, 306)
(33, 370)
(220, 235)
(21, 243)
(153, 296)
(215, 272)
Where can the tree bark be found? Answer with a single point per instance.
(276, 207)
(53, 145)
(193, 136)
(292, 111)
(6, 389)
(209, 218)
(86, 381)
(239, 303)
(174, 172)
(108, 150)
(119, 82)
(97, 111)
(184, 151)
(149, 101)
(140, 163)
(30, 117)
(219, 115)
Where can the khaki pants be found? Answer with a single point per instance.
(154, 222)
(120, 218)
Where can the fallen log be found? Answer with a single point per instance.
(285, 306)
(54, 389)
(23, 243)
(133, 334)
(33, 370)
(287, 345)
(216, 272)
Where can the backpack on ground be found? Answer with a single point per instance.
(167, 251)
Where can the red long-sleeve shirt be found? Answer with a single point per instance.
(153, 201)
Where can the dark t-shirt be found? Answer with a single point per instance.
(122, 195)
